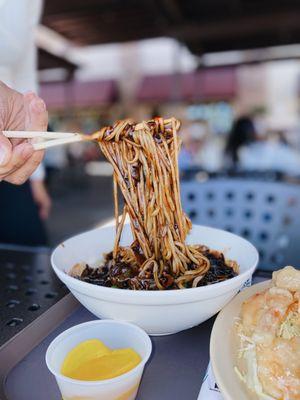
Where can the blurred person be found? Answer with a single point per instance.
(40, 192)
(192, 140)
(55, 160)
(18, 69)
(242, 134)
(200, 148)
(246, 150)
(272, 153)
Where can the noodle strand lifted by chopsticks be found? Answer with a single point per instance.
(145, 162)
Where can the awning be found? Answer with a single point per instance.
(79, 94)
(205, 26)
(206, 84)
(47, 60)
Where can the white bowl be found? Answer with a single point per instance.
(224, 345)
(115, 335)
(157, 312)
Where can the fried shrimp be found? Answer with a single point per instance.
(270, 322)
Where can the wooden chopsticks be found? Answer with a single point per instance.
(44, 140)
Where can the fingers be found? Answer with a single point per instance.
(21, 174)
(5, 151)
(20, 155)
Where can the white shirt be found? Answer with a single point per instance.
(18, 60)
(270, 156)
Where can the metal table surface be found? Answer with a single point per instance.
(28, 288)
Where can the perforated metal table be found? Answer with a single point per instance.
(28, 288)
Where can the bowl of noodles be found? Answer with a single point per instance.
(157, 271)
(158, 312)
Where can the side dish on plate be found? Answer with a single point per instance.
(269, 334)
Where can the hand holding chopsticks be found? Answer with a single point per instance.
(18, 160)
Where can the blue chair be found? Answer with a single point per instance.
(265, 213)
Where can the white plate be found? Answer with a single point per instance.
(224, 347)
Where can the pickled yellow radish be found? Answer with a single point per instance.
(92, 361)
(82, 353)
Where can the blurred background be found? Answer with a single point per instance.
(228, 69)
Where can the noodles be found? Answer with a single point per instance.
(145, 162)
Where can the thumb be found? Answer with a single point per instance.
(5, 150)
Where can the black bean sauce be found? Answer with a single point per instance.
(119, 274)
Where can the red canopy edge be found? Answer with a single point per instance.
(206, 84)
(79, 94)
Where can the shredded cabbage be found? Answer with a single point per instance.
(291, 326)
(250, 378)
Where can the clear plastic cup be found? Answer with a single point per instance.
(114, 334)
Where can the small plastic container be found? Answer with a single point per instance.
(115, 335)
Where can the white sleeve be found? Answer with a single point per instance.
(25, 71)
(25, 74)
(39, 174)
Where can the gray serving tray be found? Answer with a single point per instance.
(175, 370)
